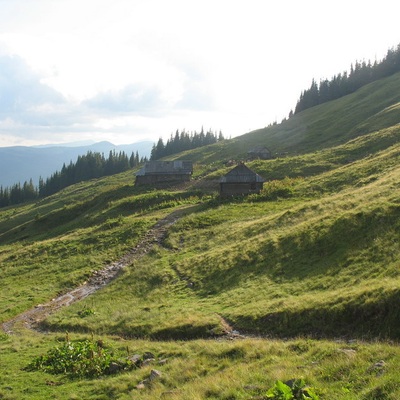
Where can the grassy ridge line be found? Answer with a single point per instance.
(372, 108)
(331, 159)
(338, 121)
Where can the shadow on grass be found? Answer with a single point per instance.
(304, 255)
(354, 319)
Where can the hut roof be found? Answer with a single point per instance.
(259, 149)
(166, 168)
(241, 174)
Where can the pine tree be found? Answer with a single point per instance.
(361, 73)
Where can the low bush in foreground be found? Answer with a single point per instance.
(87, 358)
(296, 389)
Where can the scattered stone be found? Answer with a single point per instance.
(148, 361)
(163, 361)
(380, 364)
(147, 355)
(349, 352)
(52, 383)
(136, 359)
(155, 374)
(141, 385)
(378, 368)
(114, 368)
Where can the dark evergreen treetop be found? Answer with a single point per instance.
(345, 83)
(89, 166)
(183, 141)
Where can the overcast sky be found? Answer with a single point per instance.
(132, 70)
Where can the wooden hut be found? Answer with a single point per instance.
(259, 153)
(156, 172)
(241, 180)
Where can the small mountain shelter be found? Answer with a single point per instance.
(154, 172)
(241, 180)
(259, 153)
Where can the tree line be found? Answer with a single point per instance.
(345, 83)
(96, 165)
(89, 166)
(183, 141)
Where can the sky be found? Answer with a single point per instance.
(132, 70)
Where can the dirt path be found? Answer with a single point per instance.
(99, 279)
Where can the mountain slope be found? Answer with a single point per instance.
(373, 107)
(328, 252)
(315, 255)
(336, 211)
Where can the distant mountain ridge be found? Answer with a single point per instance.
(22, 163)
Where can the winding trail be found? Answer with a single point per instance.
(99, 279)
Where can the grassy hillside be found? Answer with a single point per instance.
(371, 108)
(315, 256)
(307, 271)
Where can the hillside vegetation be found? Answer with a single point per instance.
(371, 108)
(307, 271)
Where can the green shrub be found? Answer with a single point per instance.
(295, 389)
(80, 359)
(85, 312)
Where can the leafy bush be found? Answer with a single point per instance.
(85, 312)
(80, 359)
(295, 389)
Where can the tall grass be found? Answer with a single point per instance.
(213, 369)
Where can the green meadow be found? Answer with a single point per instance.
(306, 273)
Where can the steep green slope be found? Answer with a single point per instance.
(371, 108)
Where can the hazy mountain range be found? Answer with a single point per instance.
(21, 163)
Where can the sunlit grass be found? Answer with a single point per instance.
(220, 369)
(314, 256)
(270, 267)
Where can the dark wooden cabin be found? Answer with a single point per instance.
(259, 153)
(241, 180)
(155, 172)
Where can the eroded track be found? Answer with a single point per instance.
(99, 279)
